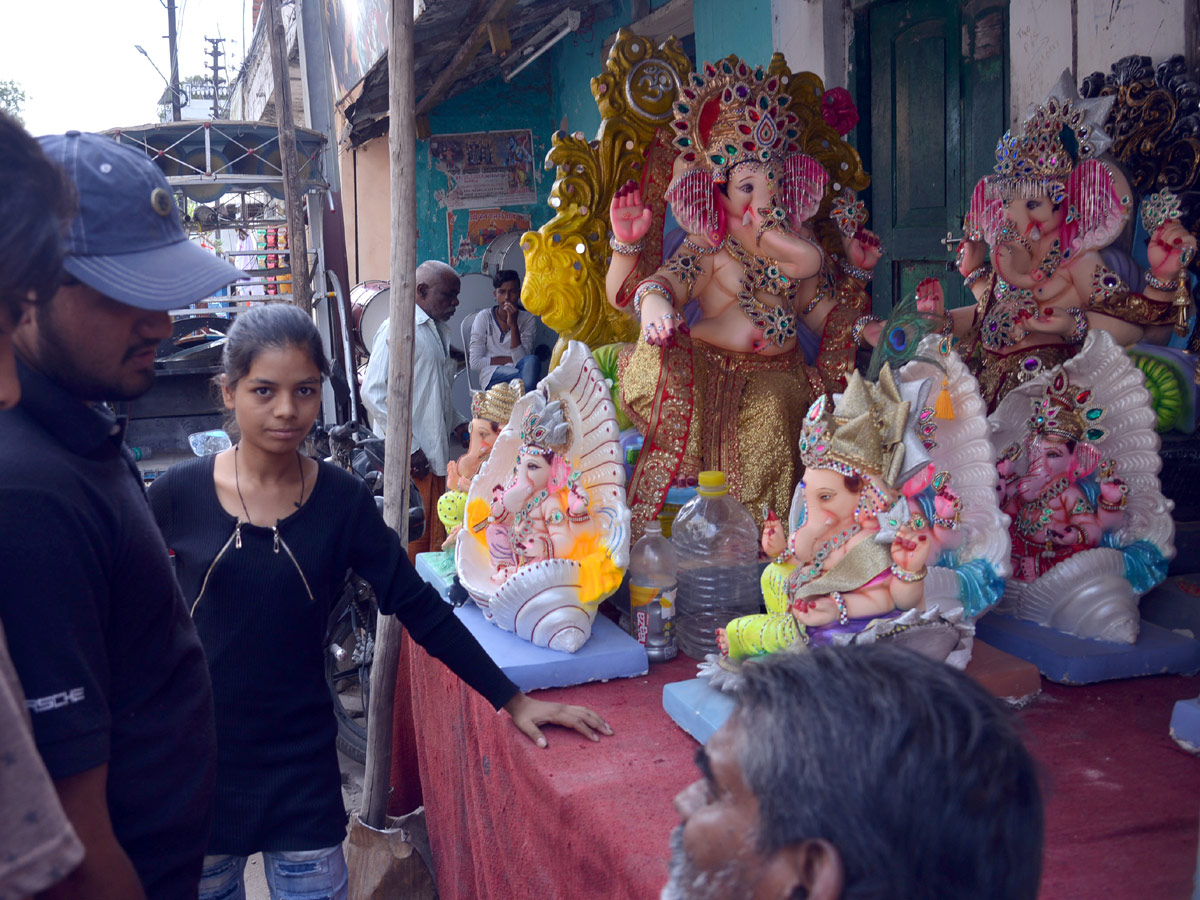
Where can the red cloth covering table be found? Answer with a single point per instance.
(581, 820)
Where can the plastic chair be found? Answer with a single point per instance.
(464, 333)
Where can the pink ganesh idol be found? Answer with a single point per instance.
(1078, 465)
(546, 531)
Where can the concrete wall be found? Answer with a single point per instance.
(574, 62)
(253, 92)
(814, 36)
(367, 210)
(743, 27)
(491, 107)
(1045, 38)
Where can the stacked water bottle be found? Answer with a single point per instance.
(683, 589)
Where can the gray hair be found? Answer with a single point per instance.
(431, 270)
(912, 770)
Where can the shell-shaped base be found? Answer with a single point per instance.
(540, 603)
(1087, 596)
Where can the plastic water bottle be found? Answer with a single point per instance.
(717, 542)
(652, 585)
(205, 443)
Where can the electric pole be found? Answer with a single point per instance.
(173, 50)
(215, 66)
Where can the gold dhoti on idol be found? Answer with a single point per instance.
(701, 407)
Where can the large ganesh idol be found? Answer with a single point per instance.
(717, 378)
(546, 532)
(1091, 530)
(1032, 256)
(895, 532)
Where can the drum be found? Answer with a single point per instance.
(195, 162)
(504, 253)
(369, 307)
(169, 160)
(241, 151)
(272, 164)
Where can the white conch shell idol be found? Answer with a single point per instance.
(1091, 591)
(546, 536)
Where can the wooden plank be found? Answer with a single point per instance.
(496, 12)
(402, 150)
(499, 38)
(672, 18)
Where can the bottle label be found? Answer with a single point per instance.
(652, 611)
(641, 596)
(667, 600)
(641, 624)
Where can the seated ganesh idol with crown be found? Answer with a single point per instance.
(1032, 253)
(729, 390)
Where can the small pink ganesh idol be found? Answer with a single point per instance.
(1078, 477)
(1055, 513)
(542, 509)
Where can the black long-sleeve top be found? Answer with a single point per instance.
(262, 616)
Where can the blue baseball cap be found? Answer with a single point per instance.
(126, 240)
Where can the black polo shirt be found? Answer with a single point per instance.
(97, 628)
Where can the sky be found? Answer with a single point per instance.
(77, 63)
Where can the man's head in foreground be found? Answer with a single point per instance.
(860, 772)
(36, 202)
(127, 262)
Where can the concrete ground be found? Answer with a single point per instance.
(352, 779)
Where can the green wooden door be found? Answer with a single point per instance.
(938, 101)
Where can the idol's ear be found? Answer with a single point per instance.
(804, 184)
(814, 864)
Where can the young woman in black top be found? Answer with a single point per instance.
(262, 537)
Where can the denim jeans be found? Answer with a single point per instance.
(527, 369)
(291, 875)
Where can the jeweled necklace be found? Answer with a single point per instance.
(237, 483)
(805, 574)
(777, 323)
(702, 251)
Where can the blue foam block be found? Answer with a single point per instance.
(1174, 604)
(1071, 660)
(696, 707)
(608, 653)
(1185, 725)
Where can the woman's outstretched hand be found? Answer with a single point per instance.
(528, 713)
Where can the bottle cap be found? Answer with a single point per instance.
(712, 484)
(653, 527)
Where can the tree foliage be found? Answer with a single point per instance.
(12, 98)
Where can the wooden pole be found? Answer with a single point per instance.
(402, 148)
(293, 196)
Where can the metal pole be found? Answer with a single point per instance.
(402, 148)
(176, 115)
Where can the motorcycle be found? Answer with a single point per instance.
(350, 634)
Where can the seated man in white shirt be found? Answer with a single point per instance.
(433, 413)
(502, 337)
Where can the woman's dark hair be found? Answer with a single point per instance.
(272, 326)
(37, 202)
(504, 276)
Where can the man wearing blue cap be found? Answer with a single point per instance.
(113, 672)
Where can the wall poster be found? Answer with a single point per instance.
(484, 169)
